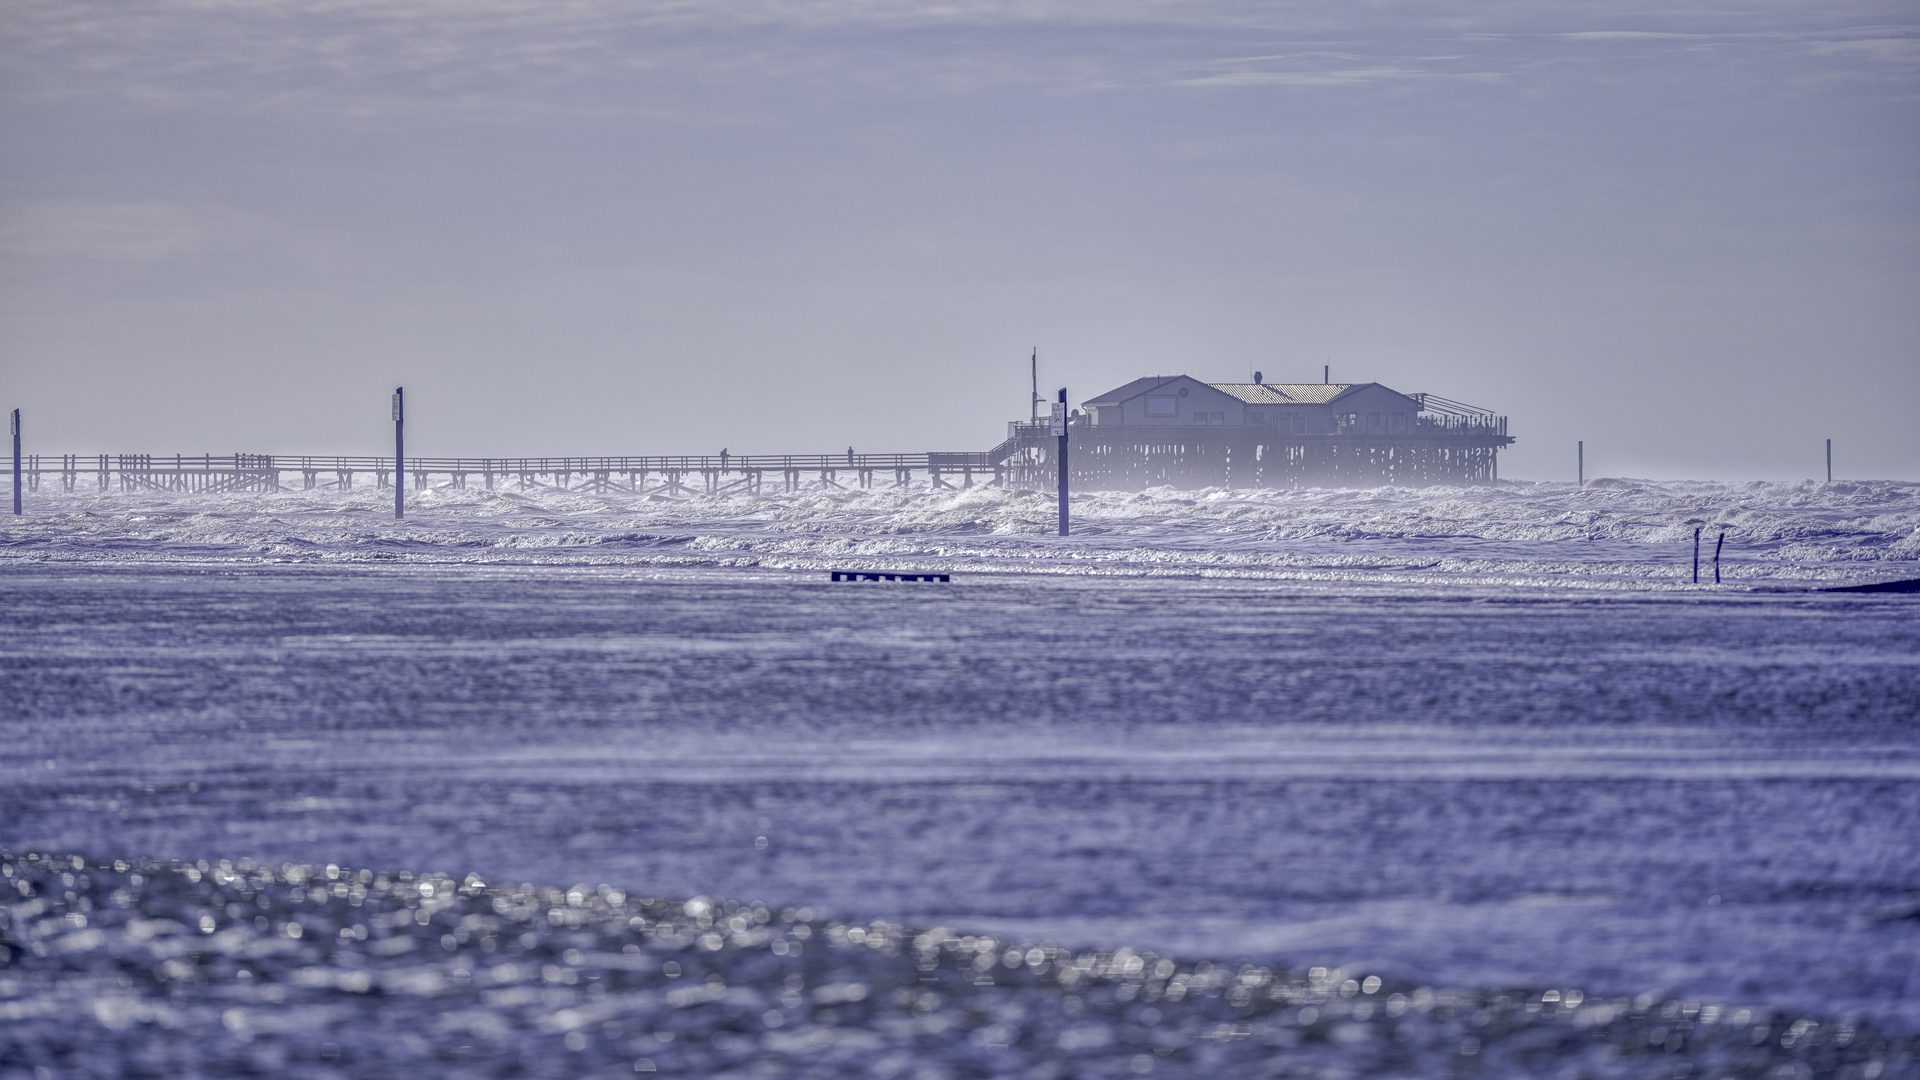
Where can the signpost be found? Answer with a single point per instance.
(399, 452)
(1060, 430)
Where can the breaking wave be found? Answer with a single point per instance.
(1612, 533)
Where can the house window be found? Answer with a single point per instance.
(1399, 423)
(1255, 416)
(1376, 423)
(1163, 406)
(1211, 419)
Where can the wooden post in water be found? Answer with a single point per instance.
(1829, 461)
(1060, 429)
(1696, 555)
(399, 453)
(1580, 451)
(16, 461)
(1716, 557)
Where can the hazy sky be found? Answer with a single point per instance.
(1690, 236)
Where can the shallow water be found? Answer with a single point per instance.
(1513, 769)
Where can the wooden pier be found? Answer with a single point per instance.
(672, 475)
(1157, 431)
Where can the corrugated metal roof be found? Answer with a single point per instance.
(1283, 393)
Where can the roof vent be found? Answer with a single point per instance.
(1256, 378)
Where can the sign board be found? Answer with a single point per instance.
(1059, 418)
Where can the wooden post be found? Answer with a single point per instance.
(399, 453)
(1696, 556)
(1580, 449)
(16, 461)
(1716, 557)
(1829, 461)
(1060, 429)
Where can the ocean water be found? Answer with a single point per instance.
(1324, 783)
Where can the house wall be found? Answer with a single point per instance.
(1367, 410)
(1374, 410)
(1290, 419)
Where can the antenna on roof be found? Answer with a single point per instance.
(1326, 374)
(1034, 405)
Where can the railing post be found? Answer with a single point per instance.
(16, 461)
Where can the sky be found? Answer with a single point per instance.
(1689, 237)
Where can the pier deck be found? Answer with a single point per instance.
(1103, 458)
(711, 474)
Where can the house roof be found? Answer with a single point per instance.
(1140, 386)
(1285, 393)
(1250, 393)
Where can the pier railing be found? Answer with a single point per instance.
(1442, 448)
(667, 473)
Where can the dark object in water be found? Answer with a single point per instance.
(874, 575)
(1908, 585)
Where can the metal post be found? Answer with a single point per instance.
(1326, 374)
(16, 461)
(1060, 429)
(1033, 398)
(399, 452)
(1696, 556)
(1581, 450)
(1829, 461)
(1716, 557)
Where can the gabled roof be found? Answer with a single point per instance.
(1285, 393)
(1140, 386)
(1250, 393)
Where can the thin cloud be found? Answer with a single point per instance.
(1334, 77)
(1624, 35)
(504, 58)
(122, 232)
(1903, 49)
